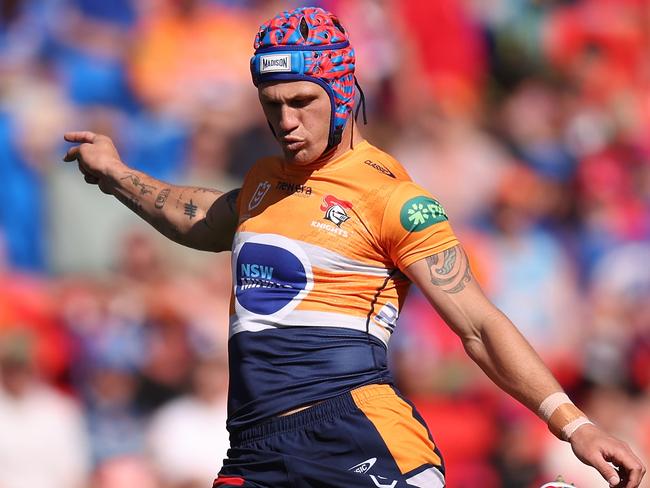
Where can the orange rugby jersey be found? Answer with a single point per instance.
(317, 281)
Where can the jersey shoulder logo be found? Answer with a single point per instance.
(259, 194)
(335, 209)
(379, 167)
(421, 212)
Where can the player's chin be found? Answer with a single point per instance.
(300, 157)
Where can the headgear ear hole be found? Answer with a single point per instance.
(304, 28)
(338, 25)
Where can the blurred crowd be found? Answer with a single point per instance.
(529, 121)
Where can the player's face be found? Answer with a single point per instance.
(299, 112)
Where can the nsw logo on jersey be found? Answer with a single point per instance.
(272, 275)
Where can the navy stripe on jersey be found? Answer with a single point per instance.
(276, 370)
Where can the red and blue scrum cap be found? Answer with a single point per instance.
(309, 44)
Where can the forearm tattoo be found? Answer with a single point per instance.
(450, 270)
(207, 190)
(135, 180)
(190, 209)
(161, 199)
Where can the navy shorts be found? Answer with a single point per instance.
(369, 437)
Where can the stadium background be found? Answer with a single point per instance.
(529, 120)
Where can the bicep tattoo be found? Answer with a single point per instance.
(450, 270)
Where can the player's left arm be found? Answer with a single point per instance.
(497, 346)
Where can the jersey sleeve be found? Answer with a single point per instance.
(414, 226)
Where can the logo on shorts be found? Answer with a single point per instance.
(335, 210)
(259, 194)
(421, 212)
(364, 467)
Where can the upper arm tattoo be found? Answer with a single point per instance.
(450, 269)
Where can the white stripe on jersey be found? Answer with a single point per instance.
(308, 318)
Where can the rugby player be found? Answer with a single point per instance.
(325, 242)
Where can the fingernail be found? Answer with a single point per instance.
(614, 480)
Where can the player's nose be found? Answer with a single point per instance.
(288, 119)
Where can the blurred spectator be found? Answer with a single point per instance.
(451, 157)
(125, 471)
(43, 442)
(449, 65)
(115, 424)
(27, 307)
(93, 39)
(191, 53)
(616, 342)
(532, 279)
(187, 437)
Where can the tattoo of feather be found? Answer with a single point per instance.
(135, 180)
(454, 272)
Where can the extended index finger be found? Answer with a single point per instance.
(80, 136)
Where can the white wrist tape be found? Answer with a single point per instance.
(571, 427)
(551, 403)
(561, 415)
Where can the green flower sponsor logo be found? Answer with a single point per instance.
(421, 212)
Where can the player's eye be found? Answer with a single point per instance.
(301, 102)
(271, 104)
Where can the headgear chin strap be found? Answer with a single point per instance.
(309, 44)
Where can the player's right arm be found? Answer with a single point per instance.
(201, 218)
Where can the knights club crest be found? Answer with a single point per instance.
(257, 197)
(335, 210)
